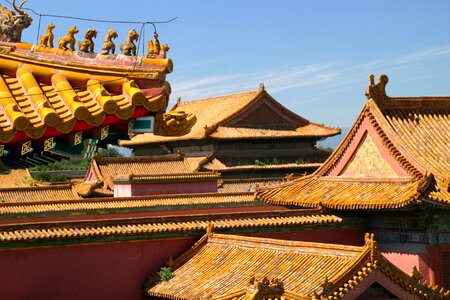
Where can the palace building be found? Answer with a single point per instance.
(192, 216)
(393, 168)
(241, 131)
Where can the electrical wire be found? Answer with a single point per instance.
(98, 20)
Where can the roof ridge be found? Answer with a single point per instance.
(148, 158)
(402, 157)
(343, 145)
(282, 243)
(215, 97)
(31, 188)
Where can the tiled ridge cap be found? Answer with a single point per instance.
(157, 64)
(167, 219)
(61, 230)
(366, 265)
(123, 205)
(37, 188)
(337, 154)
(206, 99)
(421, 102)
(134, 159)
(175, 176)
(276, 166)
(250, 180)
(133, 198)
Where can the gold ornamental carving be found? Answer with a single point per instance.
(12, 25)
(174, 123)
(46, 40)
(108, 44)
(377, 91)
(69, 39)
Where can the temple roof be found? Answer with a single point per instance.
(222, 266)
(71, 231)
(46, 91)
(395, 155)
(108, 169)
(240, 116)
(38, 194)
(58, 200)
(216, 164)
(247, 184)
(15, 178)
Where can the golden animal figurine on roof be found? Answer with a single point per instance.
(87, 45)
(174, 123)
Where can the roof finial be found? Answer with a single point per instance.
(416, 275)
(178, 100)
(370, 242)
(377, 91)
(210, 229)
(181, 154)
(326, 284)
(261, 87)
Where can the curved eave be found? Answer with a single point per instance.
(43, 97)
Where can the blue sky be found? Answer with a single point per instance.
(313, 56)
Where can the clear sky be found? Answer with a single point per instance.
(313, 56)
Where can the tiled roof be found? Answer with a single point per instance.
(414, 134)
(310, 130)
(37, 194)
(54, 204)
(217, 165)
(46, 91)
(339, 193)
(143, 227)
(247, 185)
(228, 267)
(157, 166)
(167, 177)
(208, 111)
(15, 178)
(420, 129)
(214, 113)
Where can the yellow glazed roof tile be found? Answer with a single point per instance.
(137, 226)
(42, 89)
(214, 113)
(222, 266)
(157, 166)
(53, 200)
(413, 133)
(36, 194)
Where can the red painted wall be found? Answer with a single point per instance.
(353, 237)
(406, 262)
(161, 188)
(102, 271)
(109, 271)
